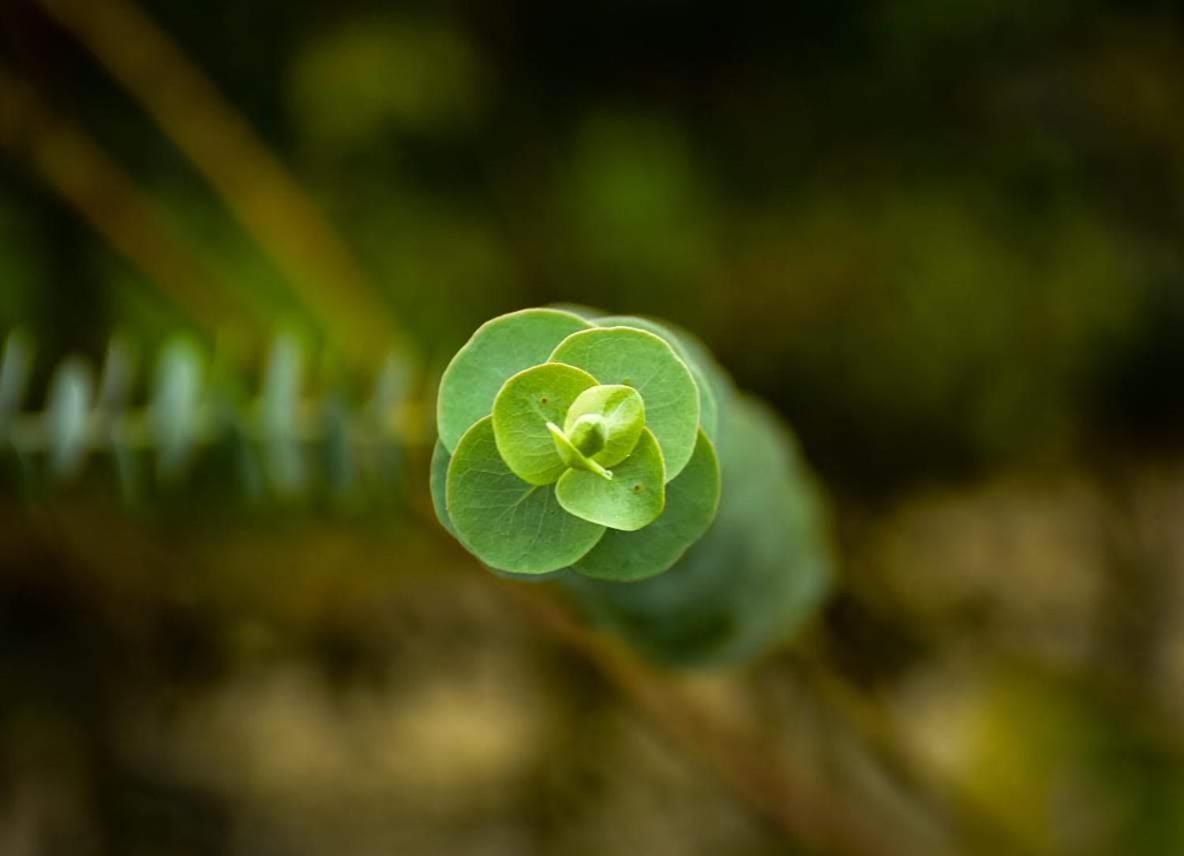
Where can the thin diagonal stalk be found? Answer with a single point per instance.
(106, 197)
(749, 765)
(261, 193)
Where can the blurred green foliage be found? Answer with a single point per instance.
(397, 76)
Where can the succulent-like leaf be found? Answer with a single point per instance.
(521, 411)
(622, 418)
(691, 503)
(499, 349)
(687, 348)
(508, 523)
(631, 499)
(644, 361)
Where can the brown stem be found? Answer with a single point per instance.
(752, 767)
(107, 198)
(250, 179)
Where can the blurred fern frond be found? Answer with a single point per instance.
(285, 440)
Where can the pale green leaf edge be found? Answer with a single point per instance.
(449, 433)
(625, 557)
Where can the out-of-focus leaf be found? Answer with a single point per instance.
(439, 486)
(68, 418)
(353, 84)
(280, 418)
(337, 459)
(176, 407)
(14, 374)
(748, 584)
(115, 389)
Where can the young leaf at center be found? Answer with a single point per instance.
(633, 498)
(521, 411)
(571, 456)
(622, 415)
(642, 360)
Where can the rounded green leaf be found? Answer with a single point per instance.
(67, 416)
(631, 499)
(498, 350)
(644, 361)
(692, 500)
(509, 524)
(438, 484)
(176, 405)
(622, 419)
(693, 354)
(521, 411)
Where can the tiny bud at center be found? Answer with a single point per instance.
(589, 434)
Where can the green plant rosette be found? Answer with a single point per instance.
(571, 442)
(710, 516)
